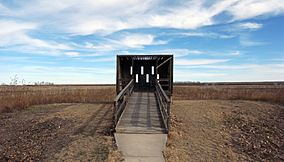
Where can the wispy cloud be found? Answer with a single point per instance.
(189, 75)
(246, 40)
(213, 35)
(235, 72)
(10, 27)
(14, 36)
(176, 52)
(235, 53)
(250, 25)
(199, 61)
(223, 67)
(139, 40)
(73, 54)
(255, 8)
(202, 34)
(183, 53)
(126, 41)
(101, 59)
(58, 74)
(88, 17)
(240, 67)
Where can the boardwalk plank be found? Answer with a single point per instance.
(141, 115)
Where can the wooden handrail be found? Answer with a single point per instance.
(164, 104)
(122, 92)
(121, 100)
(163, 92)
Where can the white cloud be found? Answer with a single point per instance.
(139, 40)
(102, 47)
(223, 67)
(129, 40)
(195, 52)
(213, 35)
(194, 34)
(59, 74)
(3, 10)
(24, 43)
(271, 67)
(236, 72)
(235, 53)
(192, 75)
(188, 75)
(10, 27)
(102, 59)
(176, 52)
(106, 16)
(250, 25)
(191, 15)
(14, 35)
(251, 8)
(72, 54)
(245, 40)
(186, 62)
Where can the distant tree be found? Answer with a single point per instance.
(14, 80)
(43, 83)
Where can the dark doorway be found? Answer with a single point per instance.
(144, 71)
(144, 75)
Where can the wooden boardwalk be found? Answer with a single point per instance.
(141, 115)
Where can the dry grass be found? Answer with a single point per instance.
(219, 130)
(270, 93)
(19, 97)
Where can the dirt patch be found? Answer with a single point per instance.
(29, 142)
(58, 132)
(220, 131)
(259, 137)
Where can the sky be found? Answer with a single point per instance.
(76, 41)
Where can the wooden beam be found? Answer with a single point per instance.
(163, 62)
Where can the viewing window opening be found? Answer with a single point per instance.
(131, 70)
(142, 70)
(136, 78)
(147, 78)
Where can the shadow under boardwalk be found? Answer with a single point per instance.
(141, 115)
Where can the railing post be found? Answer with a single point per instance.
(169, 115)
(164, 103)
(114, 112)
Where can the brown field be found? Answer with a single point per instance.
(58, 132)
(209, 123)
(219, 130)
(270, 93)
(19, 97)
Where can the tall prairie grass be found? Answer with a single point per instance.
(269, 93)
(19, 97)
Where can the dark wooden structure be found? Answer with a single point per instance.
(144, 85)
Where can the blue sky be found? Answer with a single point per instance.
(72, 41)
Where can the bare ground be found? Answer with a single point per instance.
(217, 130)
(58, 132)
(201, 130)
